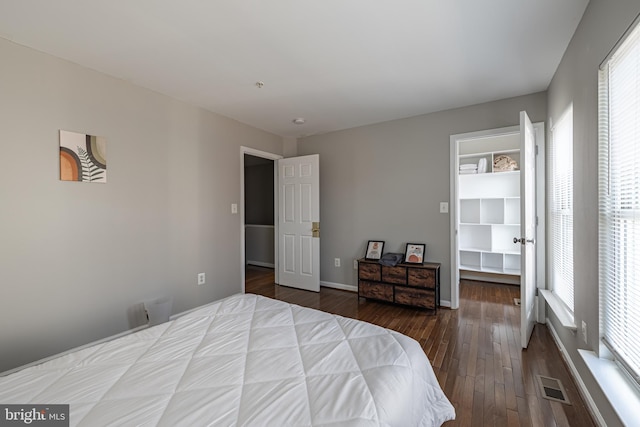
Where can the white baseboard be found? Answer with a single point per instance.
(350, 288)
(261, 264)
(582, 388)
(445, 303)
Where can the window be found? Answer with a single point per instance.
(561, 208)
(619, 202)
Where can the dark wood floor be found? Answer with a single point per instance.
(475, 351)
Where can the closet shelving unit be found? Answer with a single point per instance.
(489, 208)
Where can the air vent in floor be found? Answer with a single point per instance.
(552, 389)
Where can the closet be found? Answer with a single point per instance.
(489, 205)
(498, 208)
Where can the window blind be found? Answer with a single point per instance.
(619, 202)
(561, 209)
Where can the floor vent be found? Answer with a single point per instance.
(516, 301)
(552, 389)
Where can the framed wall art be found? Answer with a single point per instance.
(414, 253)
(374, 249)
(82, 157)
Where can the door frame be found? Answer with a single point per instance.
(540, 206)
(270, 156)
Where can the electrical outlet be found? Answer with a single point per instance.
(584, 331)
(336, 262)
(201, 279)
(444, 207)
(234, 208)
(355, 264)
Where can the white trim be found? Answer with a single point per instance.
(82, 347)
(453, 222)
(623, 395)
(541, 214)
(341, 286)
(582, 388)
(559, 309)
(265, 155)
(261, 264)
(259, 226)
(454, 141)
(540, 203)
(445, 303)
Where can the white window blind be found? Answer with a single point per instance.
(619, 182)
(561, 208)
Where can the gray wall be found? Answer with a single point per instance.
(76, 258)
(576, 80)
(259, 245)
(258, 194)
(385, 181)
(259, 210)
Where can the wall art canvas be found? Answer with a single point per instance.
(82, 157)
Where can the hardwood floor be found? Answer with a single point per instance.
(474, 351)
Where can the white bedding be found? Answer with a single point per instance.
(245, 360)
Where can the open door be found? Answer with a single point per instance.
(527, 228)
(299, 222)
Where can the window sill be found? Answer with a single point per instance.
(622, 394)
(559, 309)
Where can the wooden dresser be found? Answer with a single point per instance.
(416, 285)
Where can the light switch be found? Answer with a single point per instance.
(234, 208)
(444, 207)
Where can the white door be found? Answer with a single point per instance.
(299, 222)
(527, 228)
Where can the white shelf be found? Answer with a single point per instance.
(489, 185)
(489, 208)
(474, 259)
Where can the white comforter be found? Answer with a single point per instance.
(245, 360)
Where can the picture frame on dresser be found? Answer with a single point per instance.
(374, 250)
(414, 253)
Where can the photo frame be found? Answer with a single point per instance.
(374, 249)
(414, 253)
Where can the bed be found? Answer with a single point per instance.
(245, 360)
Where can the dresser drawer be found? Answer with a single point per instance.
(396, 275)
(375, 290)
(369, 271)
(423, 277)
(416, 297)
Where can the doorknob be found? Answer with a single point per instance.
(522, 240)
(315, 229)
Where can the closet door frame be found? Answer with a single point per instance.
(540, 206)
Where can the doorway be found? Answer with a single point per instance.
(258, 213)
(491, 209)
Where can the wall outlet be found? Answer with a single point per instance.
(355, 264)
(584, 331)
(444, 207)
(201, 279)
(234, 208)
(336, 262)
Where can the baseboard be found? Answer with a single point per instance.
(582, 388)
(445, 303)
(261, 264)
(350, 288)
(507, 279)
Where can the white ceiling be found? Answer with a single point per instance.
(337, 63)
